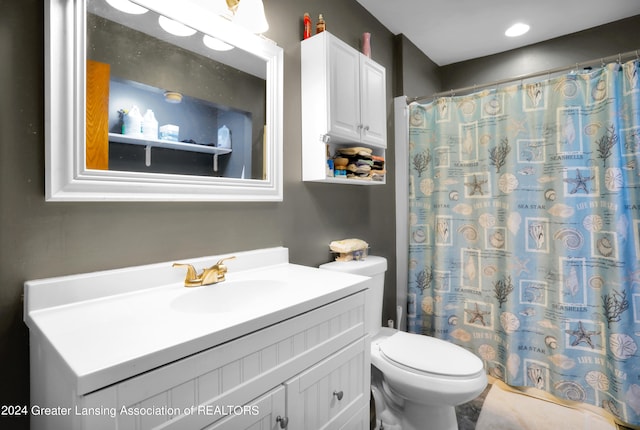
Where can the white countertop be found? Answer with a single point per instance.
(106, 334)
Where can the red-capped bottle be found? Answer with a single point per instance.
(307, 26)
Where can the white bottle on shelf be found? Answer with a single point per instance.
(150, 125)
(224, 137)
(132, 123)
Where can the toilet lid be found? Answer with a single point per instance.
(430, 355)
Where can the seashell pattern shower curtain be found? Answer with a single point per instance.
(525, 232)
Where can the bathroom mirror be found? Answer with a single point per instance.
(136, 112)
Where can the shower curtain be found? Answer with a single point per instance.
(525, 232)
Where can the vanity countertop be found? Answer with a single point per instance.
(112, 325)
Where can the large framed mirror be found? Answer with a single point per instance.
(135, 110)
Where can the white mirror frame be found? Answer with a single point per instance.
(68, 179)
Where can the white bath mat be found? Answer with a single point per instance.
(507, 410)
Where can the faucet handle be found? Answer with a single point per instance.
(219, 263)
(222, 269)
(191, 279)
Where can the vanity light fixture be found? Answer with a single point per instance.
(517, 29)
(127, 7)
(249, 14)
(216, 44)
(174, 27)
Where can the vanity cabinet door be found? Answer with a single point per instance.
(265, 413)
(333, 393)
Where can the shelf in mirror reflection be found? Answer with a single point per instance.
(168, 144)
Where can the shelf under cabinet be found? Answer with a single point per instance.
(336, 180)
(167, 144)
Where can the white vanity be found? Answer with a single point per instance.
(276, 345)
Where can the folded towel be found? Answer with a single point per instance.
(348, 245)
(355, 150)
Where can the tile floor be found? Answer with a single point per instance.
(468, 413)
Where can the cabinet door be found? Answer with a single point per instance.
(331, 394)
(373, 107)
(344, 89)
(266, 413)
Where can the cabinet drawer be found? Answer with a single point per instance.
(233, 373)
(331, 393)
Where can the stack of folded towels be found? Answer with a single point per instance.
(359, 163)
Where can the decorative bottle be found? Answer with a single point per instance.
(366, 44)
(307, 26)
(320, 25)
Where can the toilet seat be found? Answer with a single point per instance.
(425, 354)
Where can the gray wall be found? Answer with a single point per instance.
(598, 42)
(39, 239)
(415, 74)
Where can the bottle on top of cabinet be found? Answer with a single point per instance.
(307, 26)
(320, 25)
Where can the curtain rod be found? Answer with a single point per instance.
(601, 60)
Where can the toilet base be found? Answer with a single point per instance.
(397, 413)
(428, 417)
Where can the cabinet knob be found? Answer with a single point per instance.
(360, 126)
(284, 421)
(366, 128)
(338, 394)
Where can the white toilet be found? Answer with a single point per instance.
(416, 380)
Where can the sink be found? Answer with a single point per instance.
(227, 296)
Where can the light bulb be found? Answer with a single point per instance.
(216, 44)
(127, 7)
(174, 27)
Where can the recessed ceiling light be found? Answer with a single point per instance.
(174, 27)
(517, 29)
(172, 97)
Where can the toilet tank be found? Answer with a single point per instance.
(375, 268)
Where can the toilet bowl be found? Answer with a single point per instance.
(417, 380)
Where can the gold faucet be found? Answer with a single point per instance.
(211, 275)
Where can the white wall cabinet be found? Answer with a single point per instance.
(343, 103)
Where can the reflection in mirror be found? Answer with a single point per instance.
(166, 101)
(172, 107)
